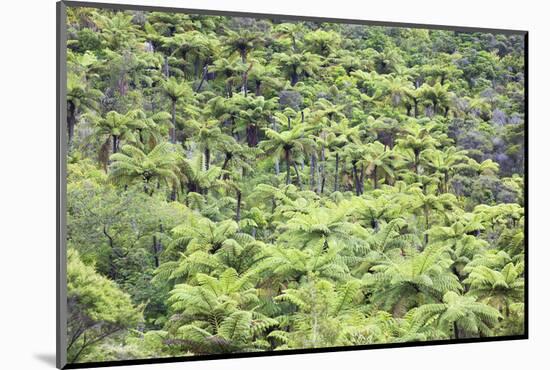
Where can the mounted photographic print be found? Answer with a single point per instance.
(235, 185)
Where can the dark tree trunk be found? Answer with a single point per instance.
(273, 205)
(456, 331)
(293, 77)
(375, 177)
(258, 87)
(229, 88)
(355, 179)
(252, 135)
(71, 121)
(207, 158)
(415, 107)
(228, 157)
(115, 144)
(238, 212)
(204, 74)
(173, 194)
(155, 252)
(141, 138)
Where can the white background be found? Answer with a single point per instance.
(27, 182)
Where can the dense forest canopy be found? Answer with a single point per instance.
(239, 184)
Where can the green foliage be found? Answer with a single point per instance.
(460, 315)
(236, 184)
(97, 308)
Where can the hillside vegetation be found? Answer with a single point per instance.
(239, 184)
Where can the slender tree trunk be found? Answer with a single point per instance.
(277, 169)
(229, 88)
(252, 135)
(141, 138)
(273, 205)
(375, 225)
(184, 62)
(258, 87)
(238, 211)
(173, 194)
(415, 107)
(71, 121)
(155, 255)
(355, 179)
(375, 177)
(336, 172)
(416, 160)
(427, 224)
(274, 128)
(322, 169)
(173, 128)
(318, 170)
(298, 178)
(455, 330)
(112, 268)
(287, 159)
(204, 74)
(312, 166)
(244, 87)
(228, 157)
(159, 248)
(115, 144)
(207, 158)
(196, 66)
(245, 73)
(362, 180)
(166, 67)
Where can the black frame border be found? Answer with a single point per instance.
(61, 150)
